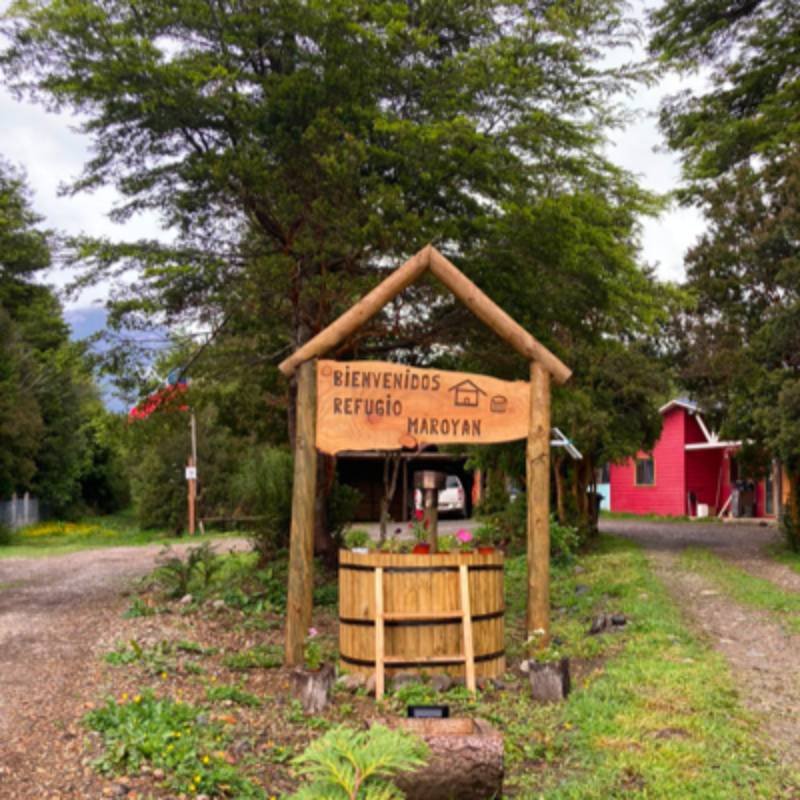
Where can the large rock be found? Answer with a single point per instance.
(466, 760)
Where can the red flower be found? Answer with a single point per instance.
(419, 514)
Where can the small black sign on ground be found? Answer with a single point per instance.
(428, 712)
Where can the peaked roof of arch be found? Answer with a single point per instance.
(429, 258)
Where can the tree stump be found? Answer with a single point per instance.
(313, 688)
(550, 683)
(466, 760)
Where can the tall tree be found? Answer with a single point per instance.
(740, 143)
(45, 382)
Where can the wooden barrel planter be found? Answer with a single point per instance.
(421, 585)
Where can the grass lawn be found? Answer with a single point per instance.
(746, 588)
(653, 712)
(788, 557)
(117, 530)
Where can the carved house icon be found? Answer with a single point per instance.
(466, 393)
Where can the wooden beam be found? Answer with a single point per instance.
(538, 498)
(466, 622)
(488, 312)
(380, 643)
(361, 312)
(300, 589)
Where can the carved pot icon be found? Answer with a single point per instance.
(499, 404)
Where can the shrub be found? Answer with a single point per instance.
(789, 528)
(347, 764)
(356, 538)
(264, 488)
(342, 503)
(511, 526)
(5, 534)
(177, 577)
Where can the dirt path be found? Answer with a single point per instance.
(764, 658)
(53, 613)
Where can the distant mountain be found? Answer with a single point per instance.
(88, 320)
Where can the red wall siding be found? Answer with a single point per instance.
(704, 479)
(668, 496)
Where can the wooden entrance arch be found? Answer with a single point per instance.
(544, 367)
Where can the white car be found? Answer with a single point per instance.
(451, 498)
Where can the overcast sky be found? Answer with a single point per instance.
(52, 153)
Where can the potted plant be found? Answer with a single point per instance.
(486, 537)
(465, 540)
(357, 540)
(419, 527)
(447, 543)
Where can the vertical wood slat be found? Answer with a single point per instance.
(466, 615)
(538, 497)
(300, 589)
(379, 639)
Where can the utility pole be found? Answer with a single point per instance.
(191, 476)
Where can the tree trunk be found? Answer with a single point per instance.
(791, 523)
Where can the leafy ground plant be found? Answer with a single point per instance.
(348, 764)
(170, 736)
(263, 656)
(178, 576)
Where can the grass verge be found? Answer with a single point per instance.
(59, 538)
(746, 588)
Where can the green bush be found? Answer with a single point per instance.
(347, 764)
(342, 503)
(263, 487)
(5, 534)
(177, 576)
(789, 529)
(511, 527)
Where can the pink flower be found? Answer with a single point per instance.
(312, 632)
(463, 536)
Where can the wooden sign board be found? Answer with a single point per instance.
(375, 405)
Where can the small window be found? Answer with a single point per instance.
(645, 471)
(452, 482)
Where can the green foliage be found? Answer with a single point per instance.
(737, 135)
(564, 542)
(5, 535)
(156, 660)
(347, 764)
(789, 529)
(312, 653)
(170, 736)
(262, 656)
(341, 506)
(356, 537)
(178, 576)
(235, 694)
(264, 489)
(511, 525)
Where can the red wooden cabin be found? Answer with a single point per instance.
(689, 472)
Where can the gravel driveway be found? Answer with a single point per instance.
(53, 613)
(763, 656)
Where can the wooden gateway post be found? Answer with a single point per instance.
(380, 406)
